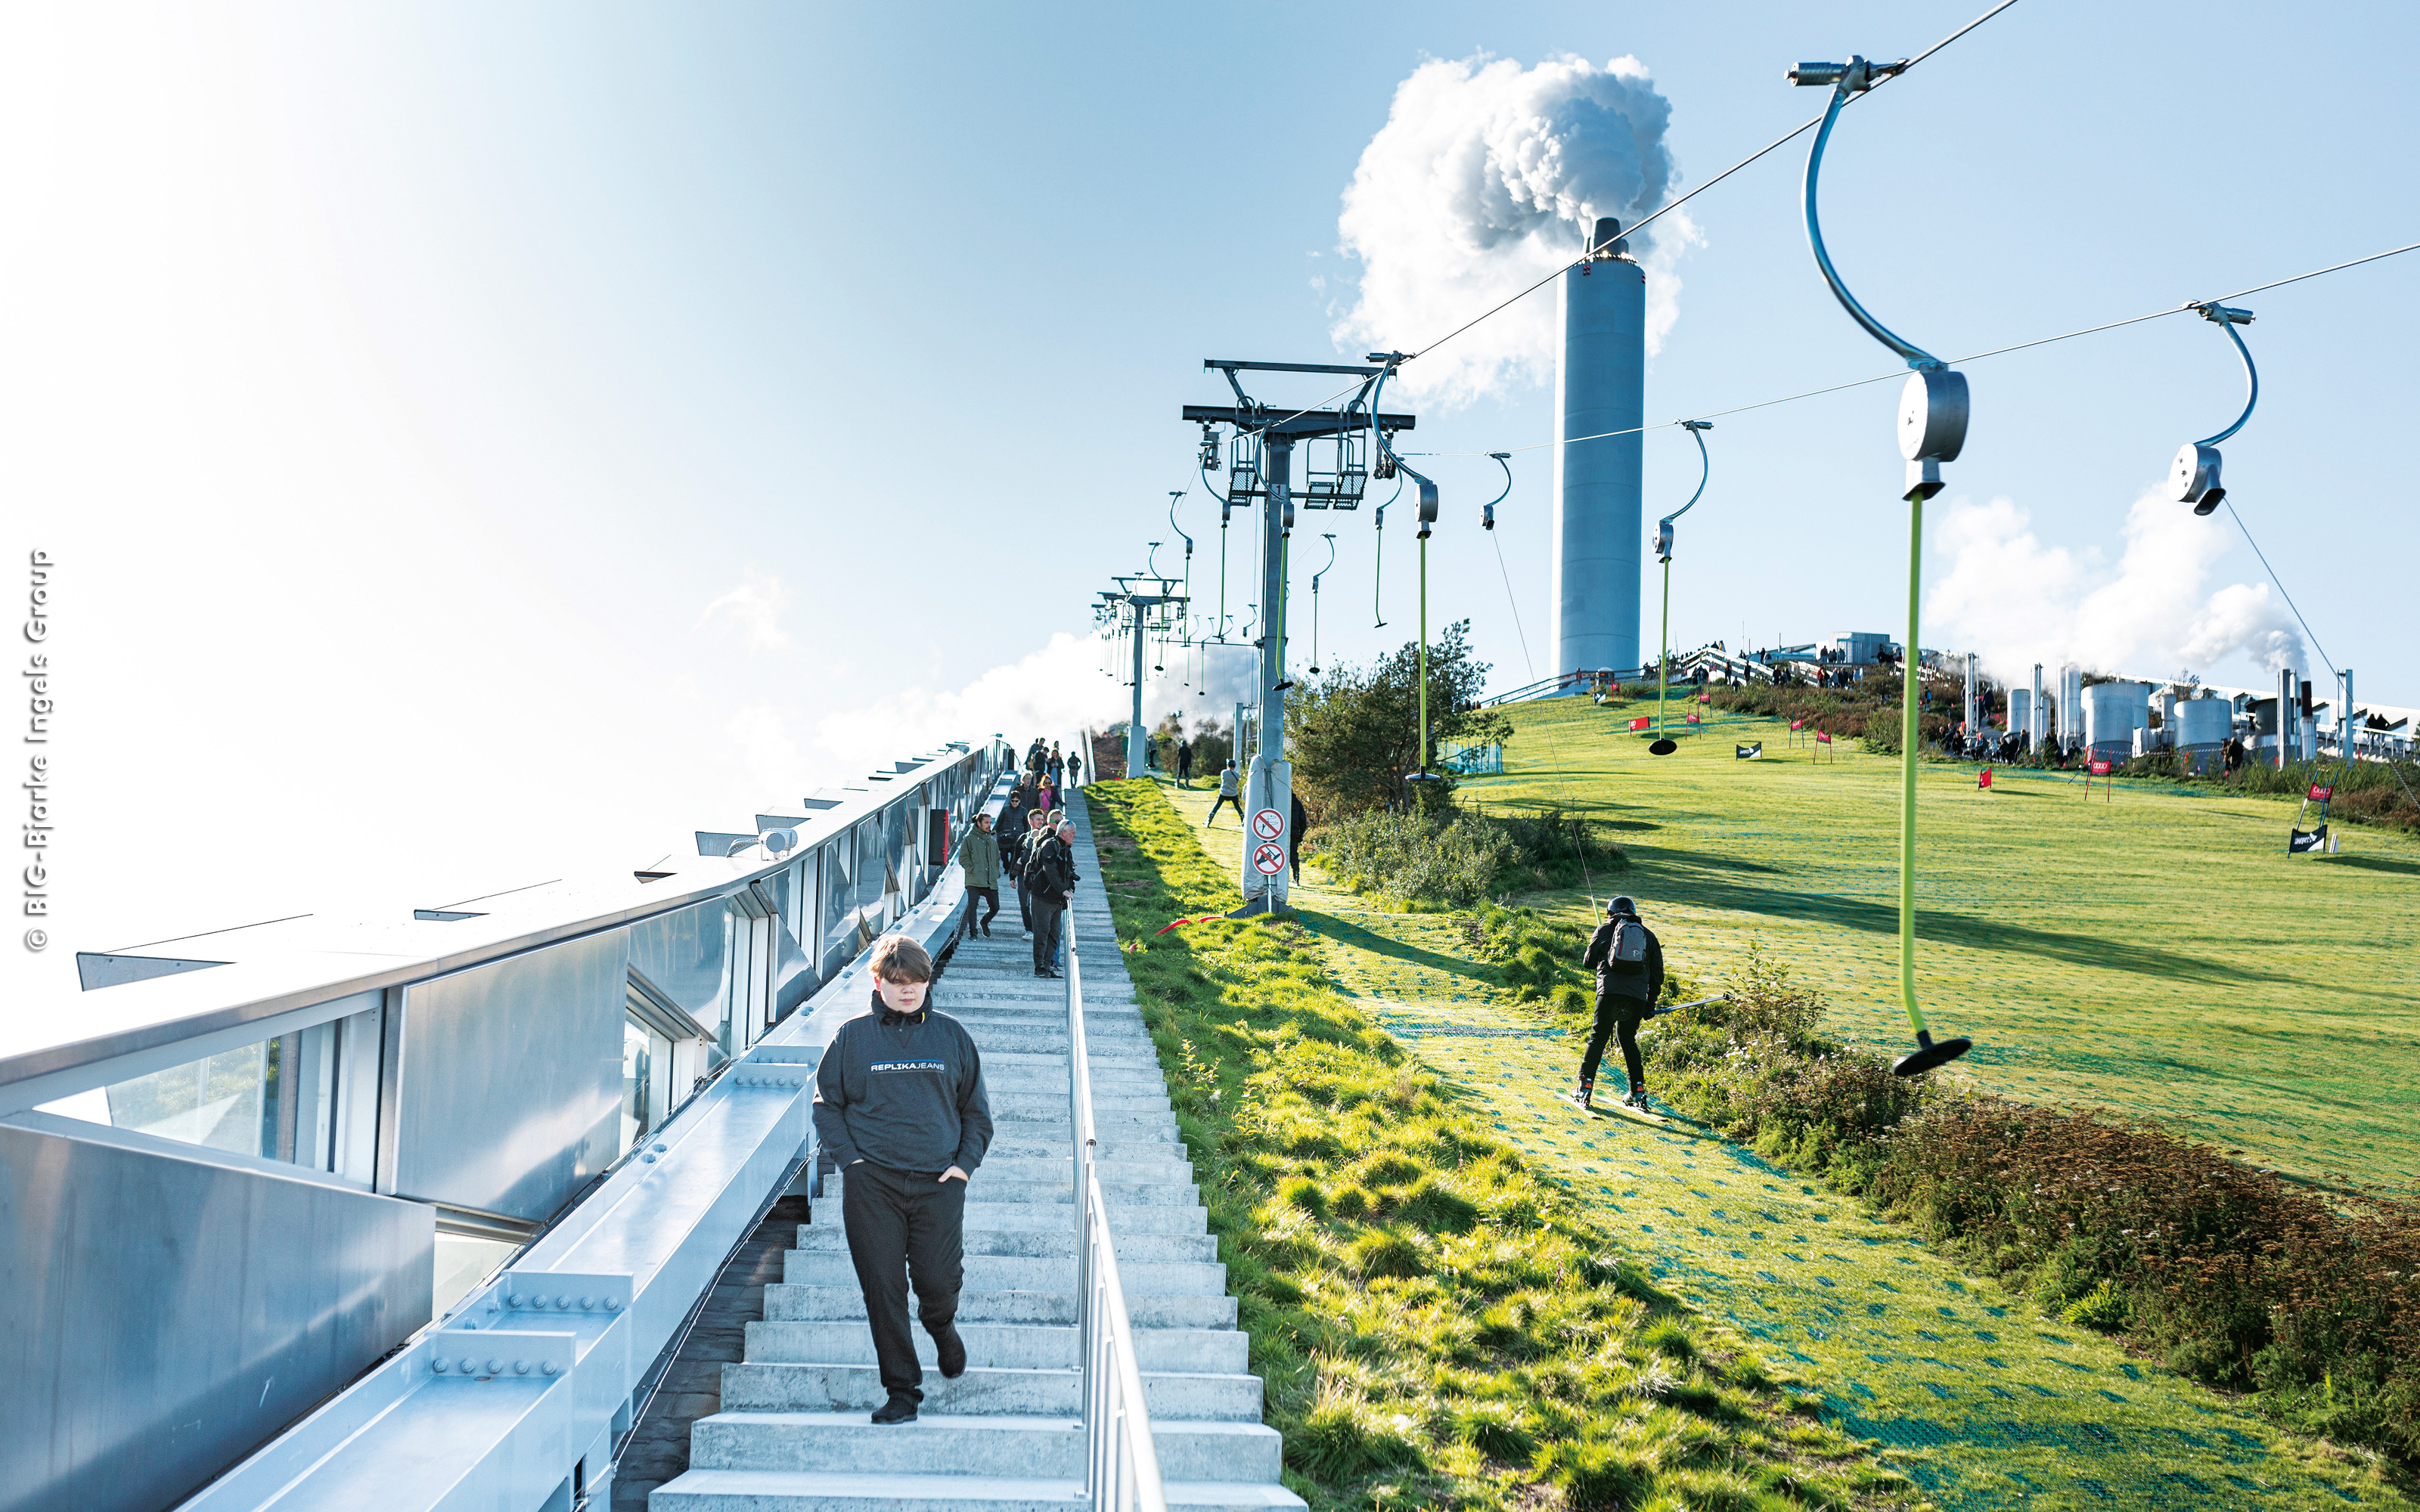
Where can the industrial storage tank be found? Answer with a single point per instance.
(2202, 726)
(2020, 705)
(2112, 713)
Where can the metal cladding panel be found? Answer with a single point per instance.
(509, 1085)
(162, 1312)
(1600, 385)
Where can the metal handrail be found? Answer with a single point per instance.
(1121, 1463)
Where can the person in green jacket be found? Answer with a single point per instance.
(979, 857)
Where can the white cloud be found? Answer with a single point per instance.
(2014, 601)
(754, 610)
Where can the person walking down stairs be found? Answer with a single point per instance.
(900, 1109)
(1052, 876)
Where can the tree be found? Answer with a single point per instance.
(1354, 733)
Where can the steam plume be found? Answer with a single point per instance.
(2014, 601)
(1486, 177)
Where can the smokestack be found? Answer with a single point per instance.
(1599, 386)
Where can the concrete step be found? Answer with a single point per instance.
(1018, 1273)
(1104, 1100)
(1053, 1216)
(1139, 1141)
(989, 1445)
(788, 1304)
(1001, 1345)
(1057, 1241)
(982, 1392)
(773, 1490)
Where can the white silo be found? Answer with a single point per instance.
(1599, 386)
(2202, 726)
(2112, 713)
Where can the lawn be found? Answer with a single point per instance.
(2145, 949)
(1985, 1401)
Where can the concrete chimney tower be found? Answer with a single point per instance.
(1600, 385)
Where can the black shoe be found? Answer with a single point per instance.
(901, 1407)
(1584, 1096)
(952, 1351)
(1637, 1100)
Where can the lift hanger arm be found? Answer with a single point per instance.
(1487, 511)
(1848, 81)
(2228, 319)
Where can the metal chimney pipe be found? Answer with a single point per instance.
(1599, 386)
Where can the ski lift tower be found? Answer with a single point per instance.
(1259, 467)
(1141, 608)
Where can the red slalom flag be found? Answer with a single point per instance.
(1693, 719)
(2101, 768)
(1705, 698)
(1198, 918)
(2321, 794)
(1823, 736)
(1642, 722)
(1984, 781)
(1797, 724)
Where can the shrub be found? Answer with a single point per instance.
(1450, 859)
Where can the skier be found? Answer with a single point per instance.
(1629, 964)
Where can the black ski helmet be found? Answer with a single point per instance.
(1620, 906)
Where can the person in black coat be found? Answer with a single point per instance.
(1626, 990)
(900, 1109)
(1050, 881)
(1298, 826)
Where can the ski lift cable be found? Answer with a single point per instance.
(2333, 670)
(1974, 357)
(1641, 224)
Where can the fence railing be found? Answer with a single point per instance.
(1121, 1463)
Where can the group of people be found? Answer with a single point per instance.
(1033, 846)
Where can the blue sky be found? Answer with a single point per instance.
(403, 387)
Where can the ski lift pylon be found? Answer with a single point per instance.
(2192, 478)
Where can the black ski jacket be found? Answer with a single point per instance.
(1642, 980)
(905, 1091)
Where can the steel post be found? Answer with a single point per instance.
(1269, 783)
(1137, 739)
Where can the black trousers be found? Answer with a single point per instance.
(1622, 1014)
(1024, 902)
(1047, 916)
(1223, 798)
(906, 1230)
(991, 897)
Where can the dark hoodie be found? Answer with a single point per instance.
(904, 1090)
(1640, 980)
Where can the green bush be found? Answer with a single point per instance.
(1450, 859)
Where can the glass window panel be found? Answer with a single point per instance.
(871, 867)
(637, 1081)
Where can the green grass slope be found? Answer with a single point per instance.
(2148, 951)
(1440, 1324)
(1984, 1400)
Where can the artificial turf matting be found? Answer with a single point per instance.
(1988, 1402)
(2145, 948)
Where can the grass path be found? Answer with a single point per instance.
(2155, 953)
(1985, 1402)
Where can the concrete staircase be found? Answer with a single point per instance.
(1008, 1435)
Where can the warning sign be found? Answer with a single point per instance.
(1269, 859)
(1269, 824)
